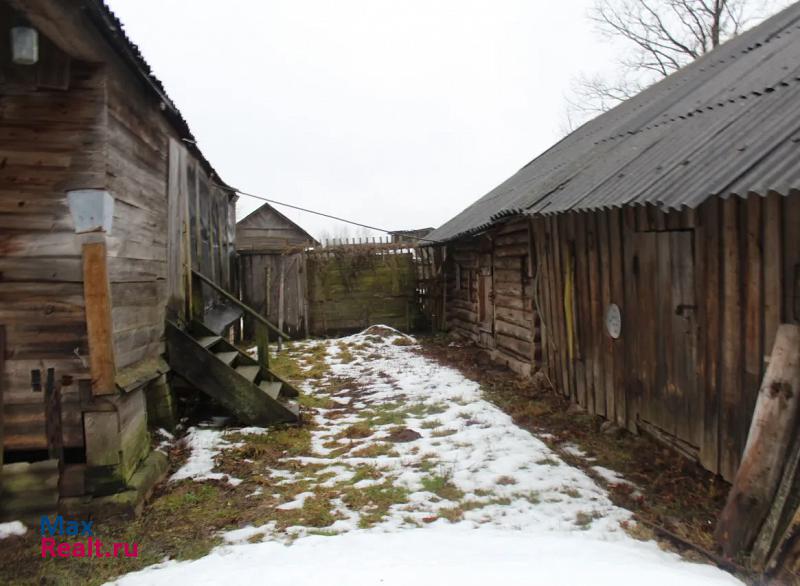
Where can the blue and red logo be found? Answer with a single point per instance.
(74, 538)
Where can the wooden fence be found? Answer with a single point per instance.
(274, 284)
(355, 283)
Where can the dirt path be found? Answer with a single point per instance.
(401, 460)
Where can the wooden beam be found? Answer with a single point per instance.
(771, 433)
(97, 299)
(2, 385)
(246, 308)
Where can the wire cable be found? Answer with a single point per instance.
(324, 215)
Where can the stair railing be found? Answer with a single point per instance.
(262, 325)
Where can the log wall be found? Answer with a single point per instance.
(496, 268)
(69, 124)
(52, 141)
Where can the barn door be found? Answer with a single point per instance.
(666, 347)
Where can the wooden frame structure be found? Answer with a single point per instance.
(84, 313)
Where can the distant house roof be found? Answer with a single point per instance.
(414, 234)
(727, 124)
(266, 228)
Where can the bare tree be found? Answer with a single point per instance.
(663, 36)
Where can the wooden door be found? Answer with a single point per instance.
(665, 351)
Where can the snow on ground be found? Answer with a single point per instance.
(438, 556)
(611, 476)
(205, 445)
(12, 528)
(472, 497)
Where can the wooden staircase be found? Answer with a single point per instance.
(242, 384)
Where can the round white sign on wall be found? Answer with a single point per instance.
(613, 320)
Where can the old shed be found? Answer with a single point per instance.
(272, 269)
(645, 261)
(117, 240)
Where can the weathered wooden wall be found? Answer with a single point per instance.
(68, 123)
(50, 141)
(489, 294)
(701, 293)
(352, 287)
(268, 230)
(288, 305)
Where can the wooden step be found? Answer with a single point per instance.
(208, 341)
(292, 406)
(227, 357)
(273, 389)
(248, 372)
(238, 392)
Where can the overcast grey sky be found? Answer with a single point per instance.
(394, 113)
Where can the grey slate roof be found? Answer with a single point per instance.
(727, 124)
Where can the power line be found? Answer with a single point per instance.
(337, 218)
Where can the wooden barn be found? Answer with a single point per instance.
(644, 262)
(116, 258)
(272, 269)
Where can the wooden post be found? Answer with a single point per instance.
(306, 307)
(781, 525)
(771, 433)
(281, 287)
(99, 327)
(262, 344)
(52, 402)
(197, 306)
(262, 331)
(2, 385)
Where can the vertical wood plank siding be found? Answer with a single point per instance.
(701, 294)
(253, 268)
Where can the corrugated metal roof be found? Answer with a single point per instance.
(727, 124)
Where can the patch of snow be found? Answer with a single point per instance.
(165, 434)
(248, 430)
(572, 450)
(611, 476)
(297, 503)
(245, 534)
(440, 554)
(526, 505)
(205, 445)
(12, 528)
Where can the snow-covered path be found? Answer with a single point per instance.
(427, 483)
